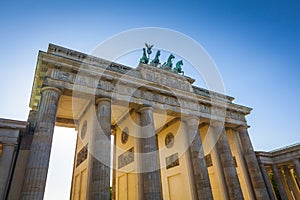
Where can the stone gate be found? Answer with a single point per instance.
(171, 139)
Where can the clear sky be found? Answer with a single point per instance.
(255, 45)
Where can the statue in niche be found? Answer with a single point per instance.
(155, 62)
(144, 58)
(178, 68)
(168, 65)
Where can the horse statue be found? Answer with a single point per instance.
(155, 61)
(178, 68)
(144, 59)
(168, 65)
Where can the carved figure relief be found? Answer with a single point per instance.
(126, 158)
(169, 140)
(124, 135)
(83, 130)
(81, 155)
(172, 161)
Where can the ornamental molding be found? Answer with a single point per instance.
(63, 68)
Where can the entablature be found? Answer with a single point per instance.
(71, 70)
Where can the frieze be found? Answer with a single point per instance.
(61, 75)
(218, 111)
(83, 80)
(105, 85)
(235, 115)
(204, 108)
(58, 74)
(142, 93)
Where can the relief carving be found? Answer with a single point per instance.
(169, 140)
(125, 135)
(204, 108)
(64, 76)
(126, 158)
(208, 160)
(235, 115)
(81, 156)
(172, 161)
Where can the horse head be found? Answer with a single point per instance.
(171, 57)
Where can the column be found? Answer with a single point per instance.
(267, 181)
(285, 185)
(231, 177)
(38, 160)
(99, 163)
(139, 148)
(291, 183)
(201, 177)
(297, 168)
(6, 159)
(279, 183)
(257, 181)
(149, 158)
(114, 177)
(211, 139)
(244, 176)
(220, 174)
(293, 174)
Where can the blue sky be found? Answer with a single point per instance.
(255, 45)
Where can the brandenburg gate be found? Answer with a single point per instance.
(143, 133)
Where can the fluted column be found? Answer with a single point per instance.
(256, 177)
(200, 172)
(297, 167)
(114, 173)
(99, 168)
(6, 159)
(285, 185)
(230, 174)
(149, 158)
(279, 183)
(267, 181)
(291, 183)
(38, 160)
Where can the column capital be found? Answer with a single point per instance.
(192, 120)
(9, 141)
(242, 127)
(228, 128)
(51, 88)
(296, 161)
(145, 108)
(7, 144)
(216, 123)
(113, 130)
(218, 127)
(100, 99)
